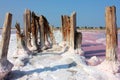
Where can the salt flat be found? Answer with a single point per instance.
(61, 63)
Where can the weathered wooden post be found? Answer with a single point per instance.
(38, 30)
(111, 38)
(5, 65)
(27, 27)
(21, 45)
(42, 34)
(70, 34)
(111, 34)
(52, 38)
(72, 29)
(78, 43)
(49, 33)
(64, 27)
(78, 40)
(23, 52)
(34, 32)
(68, 24)
(20, 38)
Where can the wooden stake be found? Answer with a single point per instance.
(27, 27)
(111, 34)
(49, 32)
(72, 29)
(78, 40)
(20, 38)
(5, 65)
(4, 44)
(34, 33)
(62, 28)
(42, 34)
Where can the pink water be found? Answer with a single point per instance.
(94, 43)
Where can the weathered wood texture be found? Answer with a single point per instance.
(27, 27)
(34, 31)
(4, 44)
(42, 34)
(5, 65)
(49, 32)
(69, 28)
(20, 38)
(72, 29)
(45, 31)
(65, 27)
(111, 34)
(78, 40)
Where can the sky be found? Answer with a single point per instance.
(89, 12)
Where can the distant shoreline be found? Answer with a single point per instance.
(77, 29)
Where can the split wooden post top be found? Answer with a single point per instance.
(111, 34)
(6, 31)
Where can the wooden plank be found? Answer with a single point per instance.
(111, 34)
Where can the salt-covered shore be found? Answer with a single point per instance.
(60, 63)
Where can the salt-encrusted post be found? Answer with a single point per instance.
(62, 27)
(52, 36)
(27, 27)
(22, 52)
(5, 65)
(20, 39)
(48, 33)
(42, 34)
(34, 33)
(111, 40)
(72, 29)
(111, 34)
(66, 28)
(78, 40)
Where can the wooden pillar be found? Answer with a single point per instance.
(78, 40)
(68, 29)
(5, 65)
(20, 38)
(72, 29)
(42, 35)
(50, 34)
(34, 32)
(38, 30)
(5, 36)
(27, 27)
(65, 28)
(111, 34)
(62, 28)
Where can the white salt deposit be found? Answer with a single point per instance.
(58, 63)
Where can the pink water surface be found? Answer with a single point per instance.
(94, 43)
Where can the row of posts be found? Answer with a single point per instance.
(35, 25)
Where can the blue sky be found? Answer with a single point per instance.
(89, 12)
